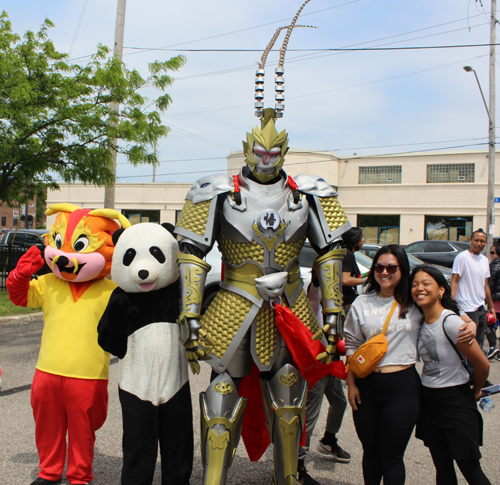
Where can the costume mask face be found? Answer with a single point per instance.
(265, 148)
(79, 246)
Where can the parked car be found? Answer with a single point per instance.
(370, 250)
(13, 248)
(437, 252)
(24, 238)
(214, 258)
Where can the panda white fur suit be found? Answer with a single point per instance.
(139, 326)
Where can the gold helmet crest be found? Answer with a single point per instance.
(268, 137)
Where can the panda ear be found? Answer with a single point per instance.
(116, 235)
(169, 227)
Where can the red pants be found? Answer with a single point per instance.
(63, 405)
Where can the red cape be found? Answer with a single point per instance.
(298, 339)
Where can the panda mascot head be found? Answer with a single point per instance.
(144, 259)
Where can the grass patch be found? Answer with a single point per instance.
(7, 308)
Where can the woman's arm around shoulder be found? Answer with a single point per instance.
(481, 364)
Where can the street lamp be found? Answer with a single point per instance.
(490, 208)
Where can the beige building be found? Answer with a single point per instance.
(397, 198)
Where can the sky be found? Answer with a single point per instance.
(365, 102)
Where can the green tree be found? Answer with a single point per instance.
(55, 117)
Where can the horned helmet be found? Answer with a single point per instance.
(265, 146)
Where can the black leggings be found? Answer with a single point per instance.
(445, 471)
(390, 405)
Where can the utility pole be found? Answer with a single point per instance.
(109, 191)
(490, 208)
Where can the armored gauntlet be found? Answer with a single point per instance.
(329, 267)
(193, 271)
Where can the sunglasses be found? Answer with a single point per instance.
(391, 268)
(493, 252)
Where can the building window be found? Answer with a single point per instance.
(450, 173)
(390, 174)
(4, 221)
(380, 229)
(445, 228)
(135, 216)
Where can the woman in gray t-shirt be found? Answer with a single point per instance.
(450, 424)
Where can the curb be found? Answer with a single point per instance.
(21, 319)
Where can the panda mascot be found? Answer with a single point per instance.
(139, 327)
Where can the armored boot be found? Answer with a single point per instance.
(221, 421)
(285, 396)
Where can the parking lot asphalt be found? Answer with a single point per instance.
(19, 345)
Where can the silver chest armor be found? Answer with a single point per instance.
(269, 217)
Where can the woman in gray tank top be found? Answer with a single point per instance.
(449, 424)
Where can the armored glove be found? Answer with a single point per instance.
(196, 341)
(329, 269)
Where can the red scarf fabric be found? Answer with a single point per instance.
(298, 339)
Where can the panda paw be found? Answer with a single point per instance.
(120, 313)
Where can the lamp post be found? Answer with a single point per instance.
(490, 208)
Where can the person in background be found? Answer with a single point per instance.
(330, 386)
(449, 424)
(494, 284)
(469, 283)
(353, 241)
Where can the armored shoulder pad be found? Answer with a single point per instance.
(210, 187)
(314, 185)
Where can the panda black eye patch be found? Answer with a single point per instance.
(157, 253)
(128, 257)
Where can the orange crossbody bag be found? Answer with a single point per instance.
(367, 356)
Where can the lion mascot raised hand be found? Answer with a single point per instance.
(69, 395)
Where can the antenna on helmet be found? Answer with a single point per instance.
(280, 80)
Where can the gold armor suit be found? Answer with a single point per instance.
(260, 233)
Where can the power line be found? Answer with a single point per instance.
(311, 161)
(409, 144)
(147, 49)
(210, 142)
(336, 89)
(78, 27)
(332, 150)
(335, 49)
(184, 160)
(346, 48)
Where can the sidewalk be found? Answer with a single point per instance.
(20, 319)
(19, 345)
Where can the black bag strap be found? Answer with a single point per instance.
(462, 358)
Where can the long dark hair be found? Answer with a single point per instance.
(401, 292)
(351, 237)
(447, 300)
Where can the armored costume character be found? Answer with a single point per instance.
(260, 220)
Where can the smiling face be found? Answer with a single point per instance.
(388, 282)
(145, 259)
(79, 246)
(425, 290)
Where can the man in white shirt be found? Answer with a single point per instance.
(469, 283)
